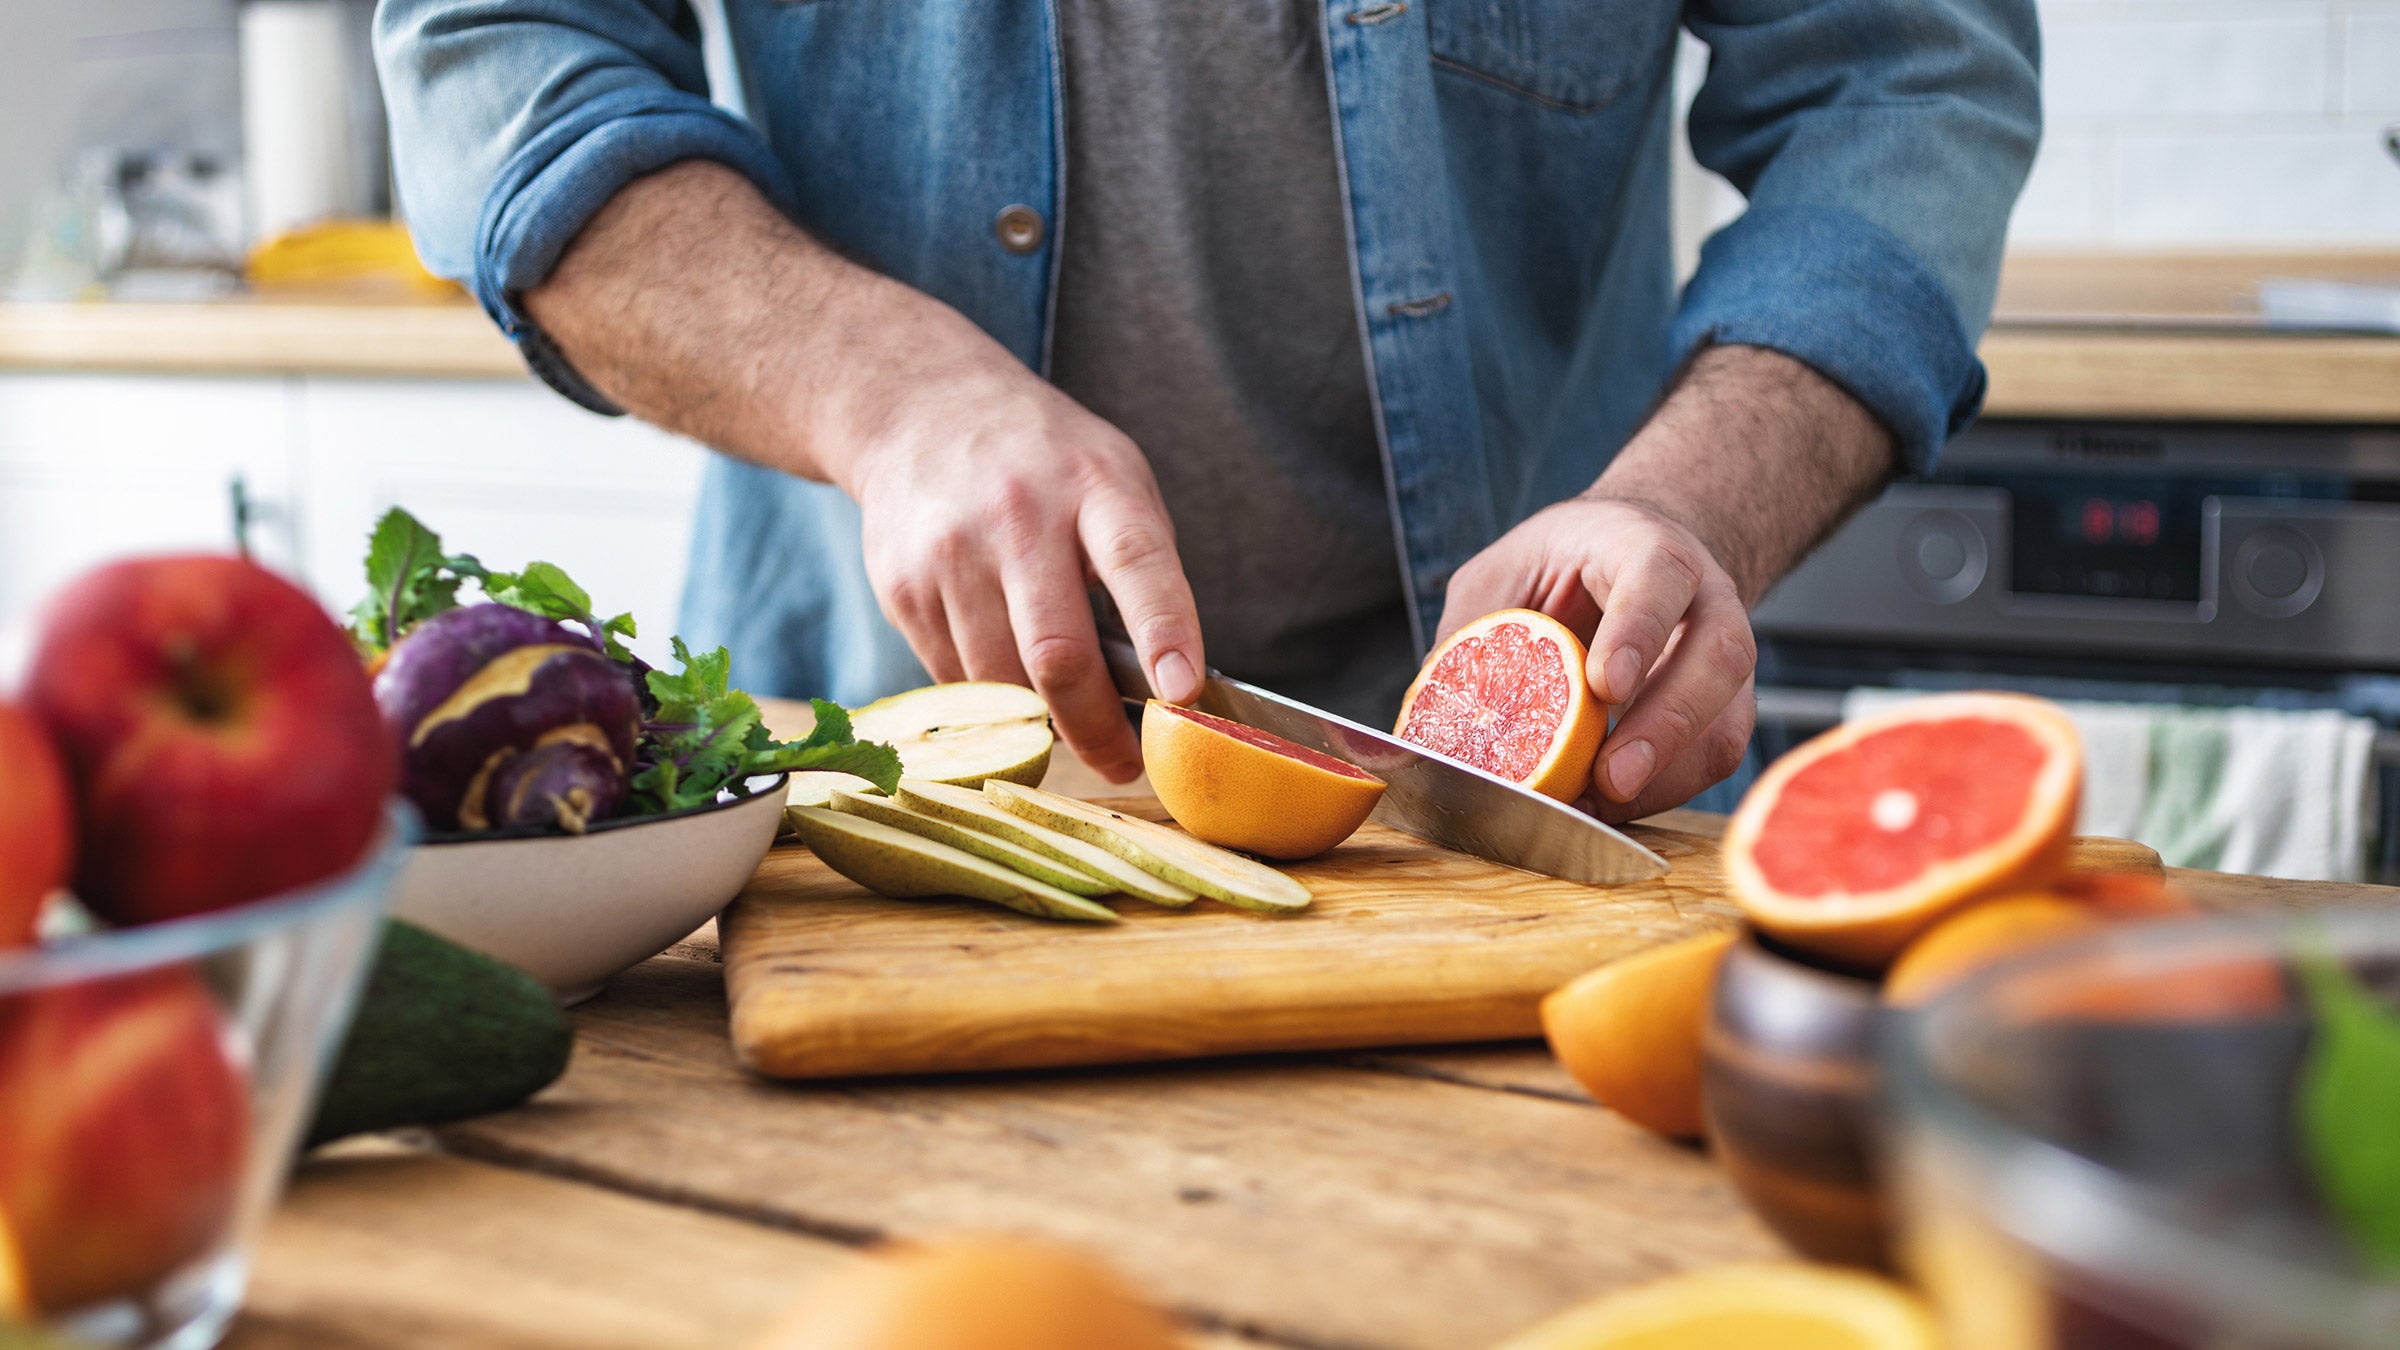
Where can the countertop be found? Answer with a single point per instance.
(2074, 335)
(659, 1196)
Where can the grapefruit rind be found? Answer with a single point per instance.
(1241, 794)
(1566, 770)
(1762, 1303)
(1629, 1032)
(1865, 928)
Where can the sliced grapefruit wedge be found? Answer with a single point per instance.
(1249, 789)
(1507, 694)
(1855, 842)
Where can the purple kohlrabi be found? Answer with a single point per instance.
(472, 689)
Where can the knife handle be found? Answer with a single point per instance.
(1125, 667)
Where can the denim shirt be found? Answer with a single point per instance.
(1505, 168)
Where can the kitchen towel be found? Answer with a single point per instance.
(2263, 791)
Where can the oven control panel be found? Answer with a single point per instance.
(2248, 545)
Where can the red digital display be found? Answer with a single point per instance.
(2104, 521)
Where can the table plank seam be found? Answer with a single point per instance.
(1371, 1062)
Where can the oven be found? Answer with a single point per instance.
(2193, 565)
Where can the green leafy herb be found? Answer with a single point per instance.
(707, 736)
(2349, 1107)
(409, 580)
(546, 589)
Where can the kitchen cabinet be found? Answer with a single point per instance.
(99, 465)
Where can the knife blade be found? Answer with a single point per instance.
(1430, 796)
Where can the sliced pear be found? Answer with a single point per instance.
(906, 866)
(815, 787)
(1154, 848)
(964, 733)
(1015, 856)
(966, 806)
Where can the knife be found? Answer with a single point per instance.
(1430, 796)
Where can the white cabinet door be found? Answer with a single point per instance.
(507, 471)
(97, 467)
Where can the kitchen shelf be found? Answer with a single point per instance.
(438, 339)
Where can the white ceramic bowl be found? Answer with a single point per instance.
(572, 910)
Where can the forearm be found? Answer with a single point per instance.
(694, 304)
(1756, 454)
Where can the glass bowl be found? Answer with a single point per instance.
(2096, 1145)
(154, 1084)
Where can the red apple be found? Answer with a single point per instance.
(220, 731)
(37, 824)
(124, 1121)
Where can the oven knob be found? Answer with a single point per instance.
(1943, 556)
(2277, 572)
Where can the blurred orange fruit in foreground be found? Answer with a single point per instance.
(1988, 931)
(1629, 1032)
(1244, 788)
(1507, 694)
(1778, 1305)
(973, 1293)
(1860, 839)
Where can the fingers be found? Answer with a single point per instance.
(1682, 703)
(1713, 756)
(915, 608)
(1641, 603)
(980, 628)
(1051, 614)
(1131, 547)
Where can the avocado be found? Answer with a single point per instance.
(442, 1033)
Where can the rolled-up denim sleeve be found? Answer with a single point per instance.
(514, 121)
(1881, 145)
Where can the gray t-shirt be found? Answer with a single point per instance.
(1204, 308)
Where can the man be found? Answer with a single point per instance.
(1356, 317)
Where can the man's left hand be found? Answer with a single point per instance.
(1670, 642)
(1748, 461)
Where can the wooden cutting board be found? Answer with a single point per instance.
(1407, 943)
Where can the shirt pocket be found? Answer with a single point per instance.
(1574, 55)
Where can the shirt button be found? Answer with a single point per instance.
(1019, 228)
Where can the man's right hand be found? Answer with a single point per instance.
(990, 501)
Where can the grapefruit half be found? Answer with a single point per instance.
(1507, 694)
(1243, 788)
(1855, 842)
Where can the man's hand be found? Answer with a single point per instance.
(1748, 462)
(1668, 636)
(990, 501)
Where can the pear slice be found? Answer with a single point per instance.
(1014, 856)
(966, 806)
(962, 733)
(815, 787)
(906, 866)
(1154, 848)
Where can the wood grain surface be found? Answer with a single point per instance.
(1406, 943)
(1400, 1200)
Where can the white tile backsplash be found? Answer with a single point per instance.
(2216, 124)
(2172, 67)
(2303, 188)
(2191, 124)
(2065, 200)
(2371, 64)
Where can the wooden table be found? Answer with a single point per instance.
(660, 1196)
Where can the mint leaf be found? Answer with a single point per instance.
(2349, 1104)
(707, 736)
(409, 580)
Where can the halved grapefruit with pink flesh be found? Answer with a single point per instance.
(1855, 842)
(1240, 787)
(1507, 694)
